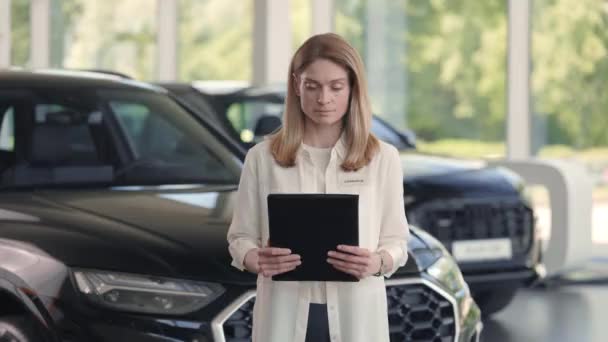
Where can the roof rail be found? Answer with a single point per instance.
(107, 72)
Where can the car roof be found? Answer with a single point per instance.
(267, 90)
(62, 79)
(218, 87)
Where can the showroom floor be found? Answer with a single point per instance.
(572, 312)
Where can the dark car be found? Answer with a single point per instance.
(114, 207)
(479, 213)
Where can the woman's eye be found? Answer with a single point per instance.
(337, 88)
(310, 86)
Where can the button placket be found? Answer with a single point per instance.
(333, 313)
(331, 173)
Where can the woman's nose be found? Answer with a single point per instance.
(324, 96)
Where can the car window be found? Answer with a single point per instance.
(7, 131)
(165, 141)
(75, 123)
(133, 117)
(203, 108)
(151, 135)
(245, 116)
(110, 137)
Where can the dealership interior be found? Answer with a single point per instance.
(495, 107)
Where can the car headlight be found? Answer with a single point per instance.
(426, 257)
(145, 294)
(446, 271)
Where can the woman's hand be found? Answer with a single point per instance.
(270, 261)
(354, 260)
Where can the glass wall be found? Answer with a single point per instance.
(20, 32)
(569, 82)
(301, 22)
(437, 67)
(214, 38)
(118, 35)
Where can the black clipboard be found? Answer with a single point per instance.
(311, 225)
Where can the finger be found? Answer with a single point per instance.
(347, 265)
(354, 250)
(282, 269)
(278, 259)
(365, 261)
(288, 258)
(271, 251)
(280, 266)
(357, 274)
(356, 270)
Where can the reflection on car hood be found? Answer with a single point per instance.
(432, 176)
(418, 165)
(175, 233)
(178, 233)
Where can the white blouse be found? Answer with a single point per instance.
(320, 158)
(357, 311)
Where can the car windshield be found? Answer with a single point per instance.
(112, 137)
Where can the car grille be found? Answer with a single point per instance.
(416, 312)
(237, 328)
(455, 220)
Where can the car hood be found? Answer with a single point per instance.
(427, 176)
(174, 233)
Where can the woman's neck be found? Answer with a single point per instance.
(322, 136)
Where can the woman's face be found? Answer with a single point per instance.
(324, 89)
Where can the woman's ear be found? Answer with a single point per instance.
(295, 84)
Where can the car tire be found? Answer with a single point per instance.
(18, 329)
(493, 301)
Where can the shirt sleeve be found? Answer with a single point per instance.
(394, 229)
(244, 232)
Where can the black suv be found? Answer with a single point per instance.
(114, 207)
(479, 213)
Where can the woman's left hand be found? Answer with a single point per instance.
(359, 262)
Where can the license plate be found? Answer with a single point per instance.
(481, 250)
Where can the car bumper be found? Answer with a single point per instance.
(466, 318)
(524, 277)
(232, 321)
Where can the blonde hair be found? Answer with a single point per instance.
(361, 144)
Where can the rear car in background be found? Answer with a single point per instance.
(115, 203)
(481, 214)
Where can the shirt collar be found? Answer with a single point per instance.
(340, 148)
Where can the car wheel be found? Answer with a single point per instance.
(492, 301)
(17, 329)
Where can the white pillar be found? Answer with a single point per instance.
(518, 103)
(322, 15)
(271, 41)
(5, 33)
(40, 15)
(166, 15)
(570, 202)
(386, 74)
(376, 50)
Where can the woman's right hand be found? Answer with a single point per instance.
(270, 261)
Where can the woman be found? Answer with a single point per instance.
(324, 146)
